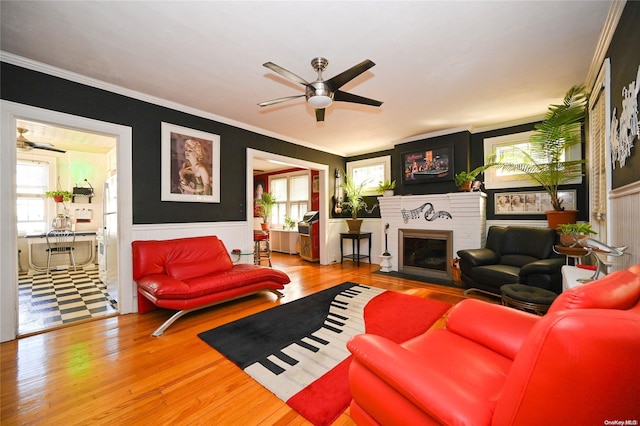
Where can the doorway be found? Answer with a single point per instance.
(12, 113)
(253, 156)
(61, 290)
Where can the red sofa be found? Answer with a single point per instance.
(494, 365)
(187, 274)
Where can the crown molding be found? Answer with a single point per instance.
(608, 30)
(30, 64)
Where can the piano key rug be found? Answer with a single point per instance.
(298, 350)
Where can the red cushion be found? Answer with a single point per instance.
(217, 260)
(184, 257)
(618, 290)
(165, 287)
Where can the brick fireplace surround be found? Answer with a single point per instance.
(464, 213)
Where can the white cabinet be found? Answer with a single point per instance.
(284, 241)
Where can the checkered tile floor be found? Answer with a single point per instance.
(47, 301)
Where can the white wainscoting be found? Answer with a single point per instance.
(624, 226)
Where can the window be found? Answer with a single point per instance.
(372, 170)
(32, 181)
(508, 147)
(292, 196)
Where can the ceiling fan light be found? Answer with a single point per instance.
(320, 101)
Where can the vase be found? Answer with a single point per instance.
(354, 225)
(465, 187)
(264, 226)
(560, 217)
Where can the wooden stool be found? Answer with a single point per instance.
(262, 249)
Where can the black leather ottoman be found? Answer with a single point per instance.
(527, 298)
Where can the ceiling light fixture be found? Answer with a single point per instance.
(320, 101)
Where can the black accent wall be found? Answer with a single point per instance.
(624, 52)
(53, 93)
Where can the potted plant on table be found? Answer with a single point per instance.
(570, 233)
(264, 207)
(354, 202)
(59, 196)
(544, 160)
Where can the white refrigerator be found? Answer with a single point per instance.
(108, 241)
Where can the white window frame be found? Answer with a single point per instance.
(49, 213)
(275, 220)
(372, 187)
(492, 180)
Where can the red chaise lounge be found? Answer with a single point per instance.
(187, 274)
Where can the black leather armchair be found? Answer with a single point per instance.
(512, 255)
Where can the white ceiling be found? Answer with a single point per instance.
(439, 64)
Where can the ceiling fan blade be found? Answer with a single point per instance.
(320, 114)
(344, 77)
(47, 147)
(277, 101)
(340, 96)
(285, 73)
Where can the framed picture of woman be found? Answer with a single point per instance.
(190, 165)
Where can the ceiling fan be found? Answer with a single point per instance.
(24, 144)
(321, 93)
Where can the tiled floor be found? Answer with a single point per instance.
(47, 301)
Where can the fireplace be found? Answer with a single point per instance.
(427, 253)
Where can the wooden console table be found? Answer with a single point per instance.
(355, 249)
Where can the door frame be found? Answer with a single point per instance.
(10, 113)
(323, 170)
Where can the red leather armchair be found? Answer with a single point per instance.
(493, 365)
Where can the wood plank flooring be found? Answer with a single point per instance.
(111, 371)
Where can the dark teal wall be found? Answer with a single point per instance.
(44, 91)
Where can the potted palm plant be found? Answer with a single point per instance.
(544, 159)
(354, 202)
(264, 208)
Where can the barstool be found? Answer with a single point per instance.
(262, 249)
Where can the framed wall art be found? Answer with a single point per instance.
(428, 165)
(531, 202)
(190, 165)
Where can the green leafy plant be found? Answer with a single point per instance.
(265, 206)
(576, 229)
(353, 193)
(544, 161)
(570, 233)
(288, 222)
(66, 195)
(469, 176)
(387, 185)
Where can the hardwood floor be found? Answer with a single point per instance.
(111, 371)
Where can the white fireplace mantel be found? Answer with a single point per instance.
(464, 213)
